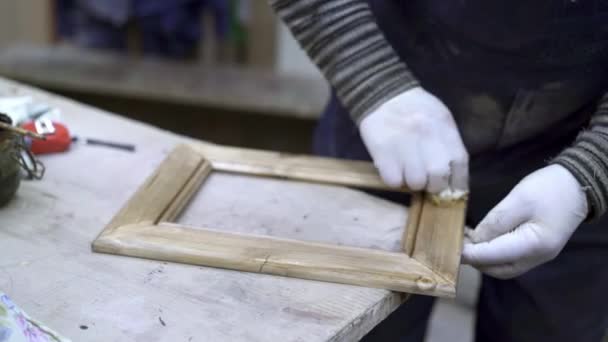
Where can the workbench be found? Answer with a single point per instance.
(47, 267)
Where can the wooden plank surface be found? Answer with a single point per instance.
(276, 256)
(46, 264)
(188, 190)
(162, 188)
(136, 230)
(230, 88)
(411, 228)
(444, 230)
(294, 167)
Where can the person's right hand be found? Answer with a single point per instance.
(414, 141)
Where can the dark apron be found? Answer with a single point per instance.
(521, 78)
(517, 91)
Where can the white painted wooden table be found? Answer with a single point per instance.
(47, 266)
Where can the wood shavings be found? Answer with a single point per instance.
(448, 196)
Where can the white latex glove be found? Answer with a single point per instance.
(530, 226)
(414, 141)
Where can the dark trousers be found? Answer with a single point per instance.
(563, 300)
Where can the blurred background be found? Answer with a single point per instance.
(225, 71)
(221, 70)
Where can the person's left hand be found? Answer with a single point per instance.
(530, 226)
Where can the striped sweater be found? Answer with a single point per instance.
(343, 39)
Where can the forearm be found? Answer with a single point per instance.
(343, 39)
(587, 160)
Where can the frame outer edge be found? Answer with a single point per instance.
(112, 239)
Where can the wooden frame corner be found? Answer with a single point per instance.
(432, 241)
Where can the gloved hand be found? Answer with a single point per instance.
(414, 141)
(530, 226)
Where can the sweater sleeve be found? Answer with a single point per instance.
(343, 39)
(587, 160)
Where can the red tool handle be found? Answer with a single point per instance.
(58, 141)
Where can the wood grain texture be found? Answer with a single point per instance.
(440, 236)
(189, 189)
(295, 167)
(411, 228)
(277, 256)
(149, 204)
(138, 231)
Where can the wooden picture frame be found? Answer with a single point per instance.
(431, 243)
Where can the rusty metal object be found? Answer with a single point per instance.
(15, 156)
(10, 176)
